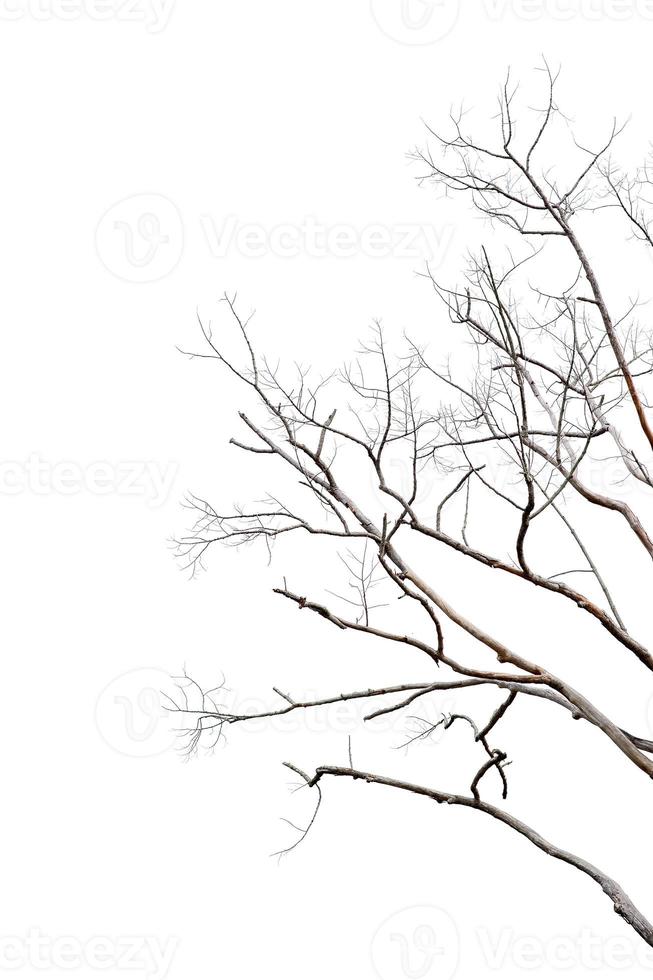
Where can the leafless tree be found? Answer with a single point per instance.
(560, 388)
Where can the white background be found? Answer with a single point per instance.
(258, 114)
